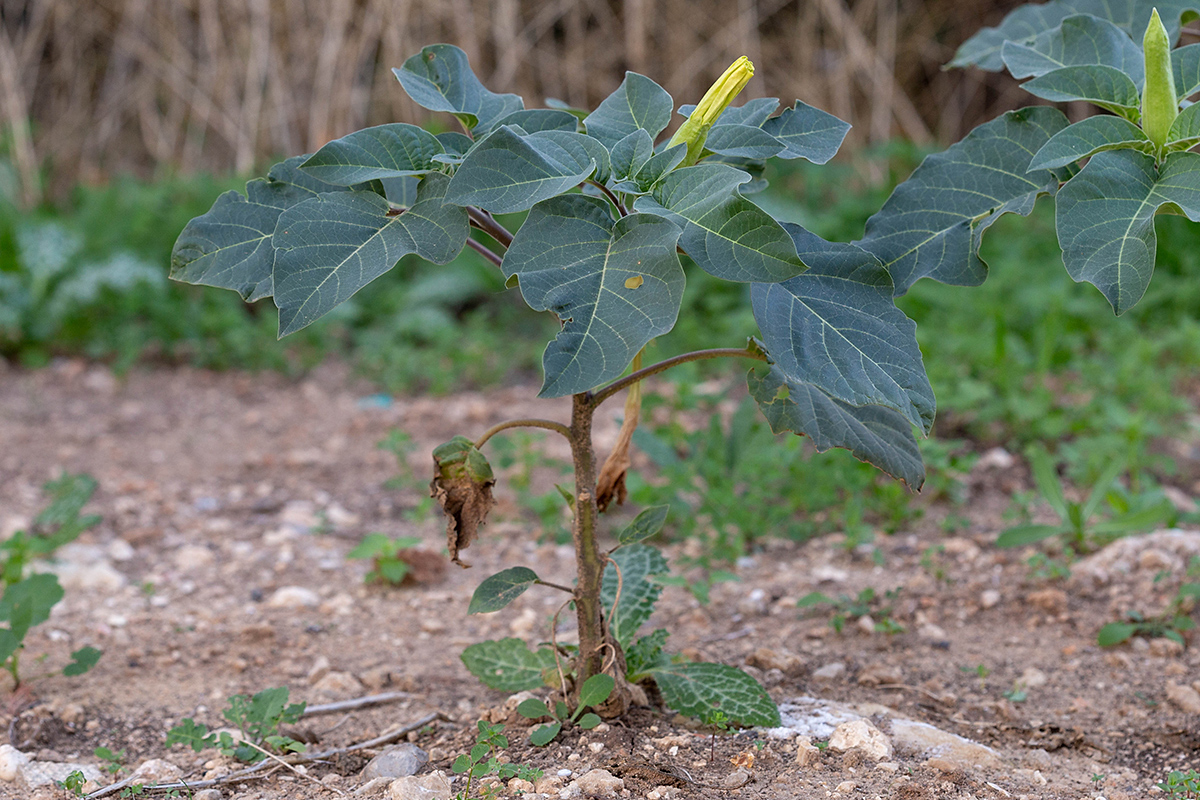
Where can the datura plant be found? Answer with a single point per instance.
(612, 219)
(1114, 54)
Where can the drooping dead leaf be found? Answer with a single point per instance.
(610, 484)
(462, 485)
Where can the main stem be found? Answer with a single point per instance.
(589, 563)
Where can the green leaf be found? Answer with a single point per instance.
(82, 660)
(1185, 130)
(1028, 21)
(440, 78)
(1105, 218)
(395, 150)
(813, 599)
(807, 132)
(229, 247)
(637, 563)
(509, 171)
(460, 458)
(508, 664)
(1133, 521)
(188, 733)
(614, 285)
(1115, 632)
(725, 234)
(646, 653)
(1045, 476)
(697, 689)
(1088, 137)
(532, 120)
(837, 327)
(595, 690)
(637, 103)
(544, 735)
(1101, 487)
(1106, 87)
(874, 434)
(501, 589)
(743, 141)
(533, 709)
(330, 247)
(1021, 535)
(644, 525)
(25, 604)
(1077, 41)
(933, 224)
(631, 154)
(1185, 64)
(589, 721)
(650, 173)
(754, 113)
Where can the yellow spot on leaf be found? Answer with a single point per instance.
(634, 282)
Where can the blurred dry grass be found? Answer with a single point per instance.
(92, 87)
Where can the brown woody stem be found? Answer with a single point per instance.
(589, 561)
(487, 223)
(485, 251)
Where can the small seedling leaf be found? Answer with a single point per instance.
(544, 734)
(1027, 534)
(500, 589)
(595, 690)
(82, 660)
(1115, 632)
(813, 599)
(644, 525)
(533, 709)
(697, 689)
(508, 664)
(589, 721)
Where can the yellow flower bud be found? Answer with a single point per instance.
(694, 131)
(1159, 104)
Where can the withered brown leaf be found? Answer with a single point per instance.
(462, 485)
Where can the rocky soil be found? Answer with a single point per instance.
(229, 503)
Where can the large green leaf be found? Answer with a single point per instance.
(837, 327)
(874, 434)
(1078, 41)
(500, 589)
(532, 120)
(229, 247)
(1088, 137)
(614, 285)
(697, 689)
(1105, 218)
(385, 151)
(440, 79)
(1185, 130)
(724, 233)
(637, 103)
(743, 141)
(508, 664)
(329, 247)
(808, 133)
(1028, 21)
(933, 224)
(23, 605)
(509, 171)
(1185, 63)
(638, 564)
(753, 112)
(1107, 87)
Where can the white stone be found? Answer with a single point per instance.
(156, 770)
(1185, 697)
(829, 672)
(192, 557)
(294, 597)
(339, 517)
(996, 458)
(1032, 678)
(85, 569)
(338, 684)
(863, 735)
(926, 741)
(599, 783)
(807, 753)
(12, 761)
(434, 786)
(827, 573)
(989, 598)
(120, 550)
(208, 794)
(866, 624)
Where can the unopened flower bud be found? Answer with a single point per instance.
(695, 130)
(1159, 103)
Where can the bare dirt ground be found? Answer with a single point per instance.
(218, 492)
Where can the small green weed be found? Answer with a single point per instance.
(1171, 624)
(73, 783)
(257, 718)
(1046, 568)
(595, 691)
(981, 671)
(483, 758)
(867, 603)
(387, 564)
(112, 761)
(1181, 785)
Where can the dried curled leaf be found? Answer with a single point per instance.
(610, 485)
(462, 485)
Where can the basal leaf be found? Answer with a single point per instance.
(724, 233)
(933, 224)
(532, 120)
(1106, 87)
(1185, 63)
(637, 103)
(510, 171)
(229, 247)
(644, 525)
(1077, 41)
(329, 247)
(1088, 137)
(384, 151)
(440, 79)
(696, 689)
(533, 708)
(874, 434)
(500, 589)
(1105, 218)
(614, 285)
(743, 141)
(808, 133)
(82, 660)
(595, 690)
(1028, 21)
(1185, 130)
(1116, 632)
(508, 664)
(545, 734)
(637, 563)
(837, 327)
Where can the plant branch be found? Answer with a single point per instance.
(609, 194)
(358, 702)
(547, 424)
(485, 251)
(487, 223)
(293, 768)
(602, 394)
